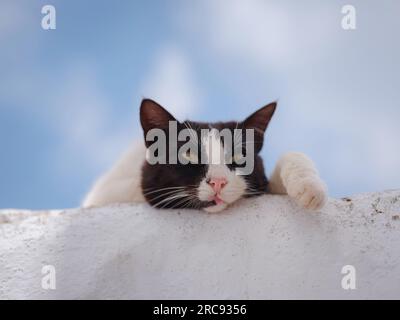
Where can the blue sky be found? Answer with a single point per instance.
(69, 97)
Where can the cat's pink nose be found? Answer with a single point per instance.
(217, 183)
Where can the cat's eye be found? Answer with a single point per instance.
(190, 156)
(237, 158)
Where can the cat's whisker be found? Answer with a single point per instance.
(187, 125)
(169, 200)
(168, 188)
(177, 205)
(186, 196)
(196, 138)
(169, 193)
(162, 189)
(163, 192)
(185, 201)
(188, 203)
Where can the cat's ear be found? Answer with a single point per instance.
(154, 116)
(258, 121)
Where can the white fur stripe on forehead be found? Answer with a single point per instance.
(214, 150)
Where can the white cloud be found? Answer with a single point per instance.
(251, 30)
(171, 83)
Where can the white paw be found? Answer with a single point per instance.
(310, 193)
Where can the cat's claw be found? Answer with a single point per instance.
(310, 193)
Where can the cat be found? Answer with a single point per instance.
(208, 186)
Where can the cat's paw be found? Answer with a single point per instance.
(310, 192)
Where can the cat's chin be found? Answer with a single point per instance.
(216, 208)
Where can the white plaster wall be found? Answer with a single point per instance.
(263, 248)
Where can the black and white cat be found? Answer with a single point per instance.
(207, 186)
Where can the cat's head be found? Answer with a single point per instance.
(202, 165)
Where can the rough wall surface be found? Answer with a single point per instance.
(263, 248)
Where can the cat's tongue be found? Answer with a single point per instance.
(218, 200)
